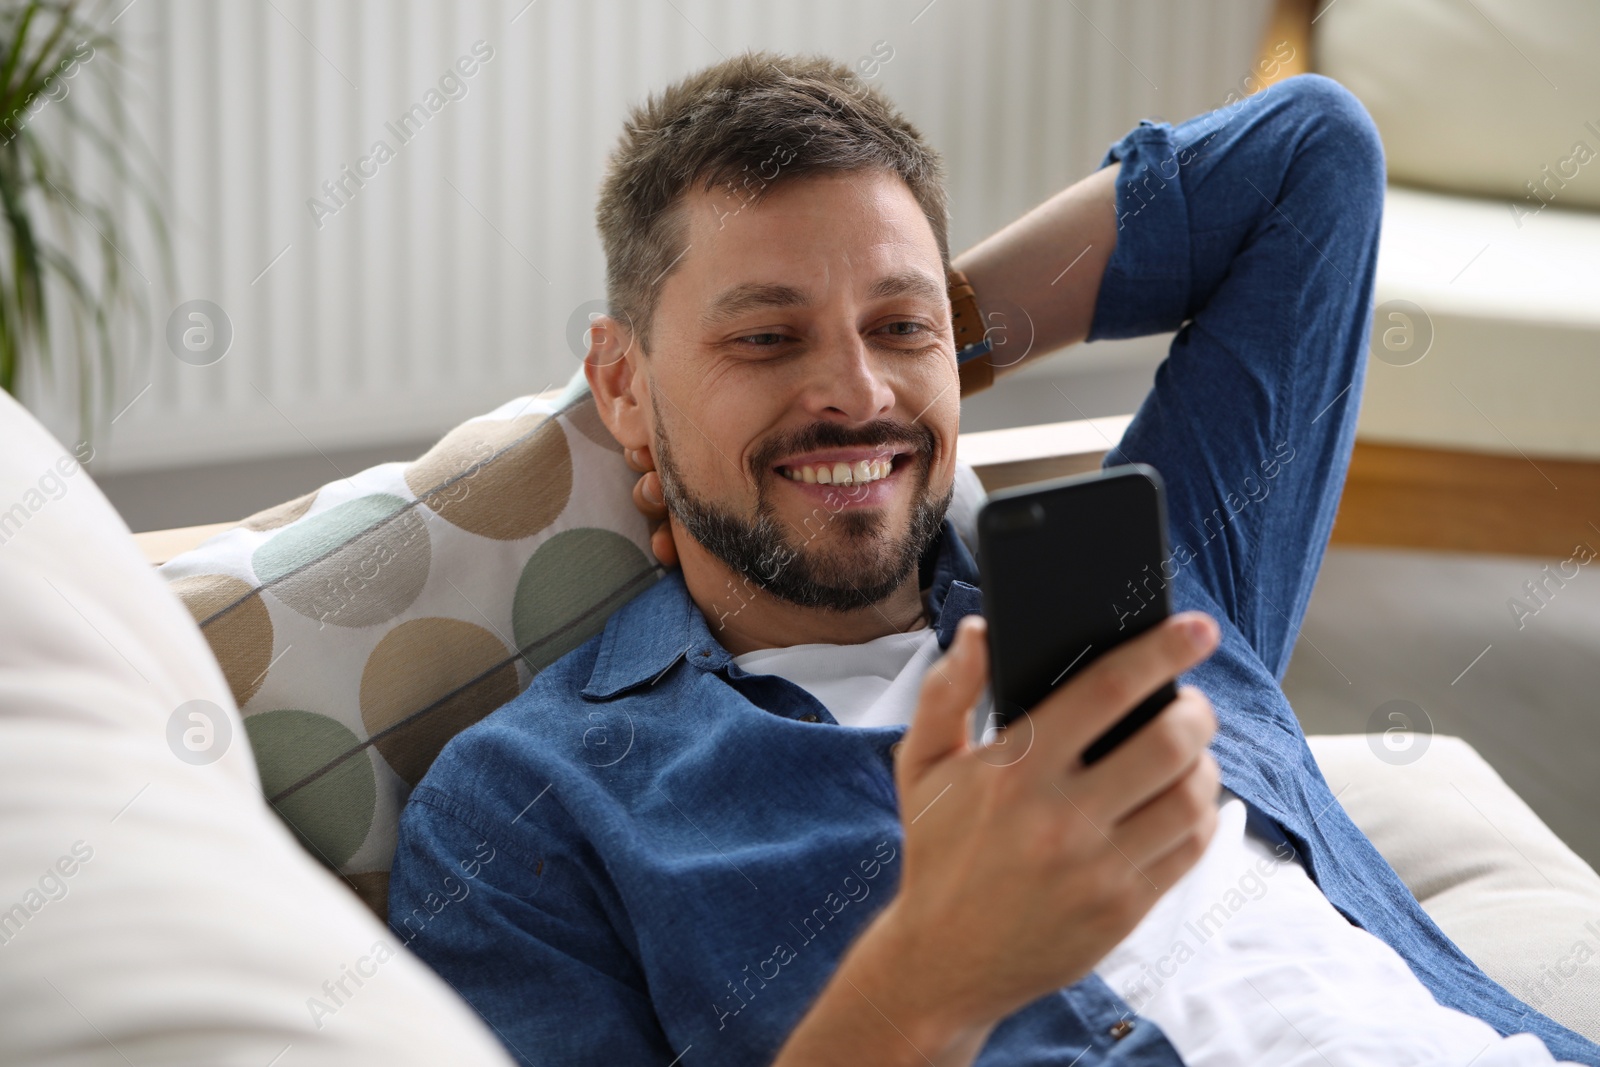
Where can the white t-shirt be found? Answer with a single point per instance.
(874, 683)
(1243, 961)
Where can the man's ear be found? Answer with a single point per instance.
(619, 386)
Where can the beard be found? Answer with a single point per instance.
(868, 563)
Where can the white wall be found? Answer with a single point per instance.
(446, 283)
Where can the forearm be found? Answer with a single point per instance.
(871, 1012)
(1045, 268)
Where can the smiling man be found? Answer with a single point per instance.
(805, 856)
(807, 435)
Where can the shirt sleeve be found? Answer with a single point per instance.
(522, 940)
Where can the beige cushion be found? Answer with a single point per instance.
(1494, 877)
(1494, 346)
(1503, 342)
(152, 908)
(1476, 97)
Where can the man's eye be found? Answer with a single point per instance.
(906, 328)
(763, 340)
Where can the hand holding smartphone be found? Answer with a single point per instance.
(1024, 883)
(1070, 569)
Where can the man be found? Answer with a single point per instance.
(716, 839)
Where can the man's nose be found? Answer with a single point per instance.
(848, 383)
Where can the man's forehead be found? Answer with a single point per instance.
(863, 223)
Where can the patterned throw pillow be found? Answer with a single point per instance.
(363, 625)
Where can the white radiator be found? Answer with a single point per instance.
(385, 295)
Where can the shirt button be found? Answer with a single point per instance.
(809, 717)
(894, 749)
(1121, 1029)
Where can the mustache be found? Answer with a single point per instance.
(819, 435)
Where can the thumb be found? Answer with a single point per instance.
(949, 691)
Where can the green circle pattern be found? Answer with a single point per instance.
(570, 586)
(309, 539)
(349, 565)
(332, 814)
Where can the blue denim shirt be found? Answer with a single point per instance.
(651, 850)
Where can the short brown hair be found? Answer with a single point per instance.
(748, 123)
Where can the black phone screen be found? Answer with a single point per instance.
(1070, 569)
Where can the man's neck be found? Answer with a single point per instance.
(744, 617)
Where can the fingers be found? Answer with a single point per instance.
(1178, 812)
(1182, 857)
(949, 691)
(651, 502)
(647, 497)
(1152, 760)
(663, 545)
(1093, 700)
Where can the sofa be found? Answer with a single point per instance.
(201, 764)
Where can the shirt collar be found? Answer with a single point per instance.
(655, 629)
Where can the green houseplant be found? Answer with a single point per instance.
(59, 238)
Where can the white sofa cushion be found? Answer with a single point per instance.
(1477, 97)
(152, 908)
(1501, 349)
(1487, 869)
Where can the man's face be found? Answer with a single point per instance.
(803, 387)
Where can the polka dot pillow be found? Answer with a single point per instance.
(362, 626)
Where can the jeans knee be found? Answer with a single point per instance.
(1338, 126)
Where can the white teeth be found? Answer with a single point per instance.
(858, 473)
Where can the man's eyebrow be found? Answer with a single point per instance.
(748, 296)
(908, 283)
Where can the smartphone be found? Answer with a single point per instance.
(1071, 568)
